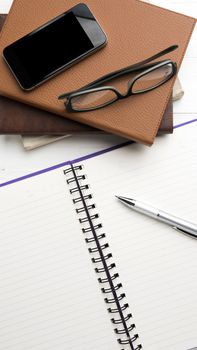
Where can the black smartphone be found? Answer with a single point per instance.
(54, 46)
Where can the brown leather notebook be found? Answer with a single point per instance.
(19, 118)
(129, 41)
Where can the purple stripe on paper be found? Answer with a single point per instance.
(98, 153)
(60, 165)
(39, 172)
(80, 159)
(185, 123)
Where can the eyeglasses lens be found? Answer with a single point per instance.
(153, 78)
(93, 100)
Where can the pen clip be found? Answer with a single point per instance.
(193, 235)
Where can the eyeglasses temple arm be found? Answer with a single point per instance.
(124, 71)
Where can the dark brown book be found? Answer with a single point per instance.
(19, 118)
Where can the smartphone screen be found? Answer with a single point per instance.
(54, 46)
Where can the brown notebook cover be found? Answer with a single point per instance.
(129, 41)
(19, 118)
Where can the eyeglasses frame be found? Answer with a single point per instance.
(147, 68)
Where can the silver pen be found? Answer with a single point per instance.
(179, 224)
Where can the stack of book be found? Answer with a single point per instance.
(41, 118)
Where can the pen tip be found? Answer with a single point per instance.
(125, 200)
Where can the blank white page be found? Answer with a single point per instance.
(49, 294)
(157, 265)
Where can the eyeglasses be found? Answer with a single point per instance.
(146, 77)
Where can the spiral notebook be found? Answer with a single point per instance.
(80, 271)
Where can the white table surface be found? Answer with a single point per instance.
(15, 161)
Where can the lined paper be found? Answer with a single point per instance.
(49, 293)
(157, 265)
